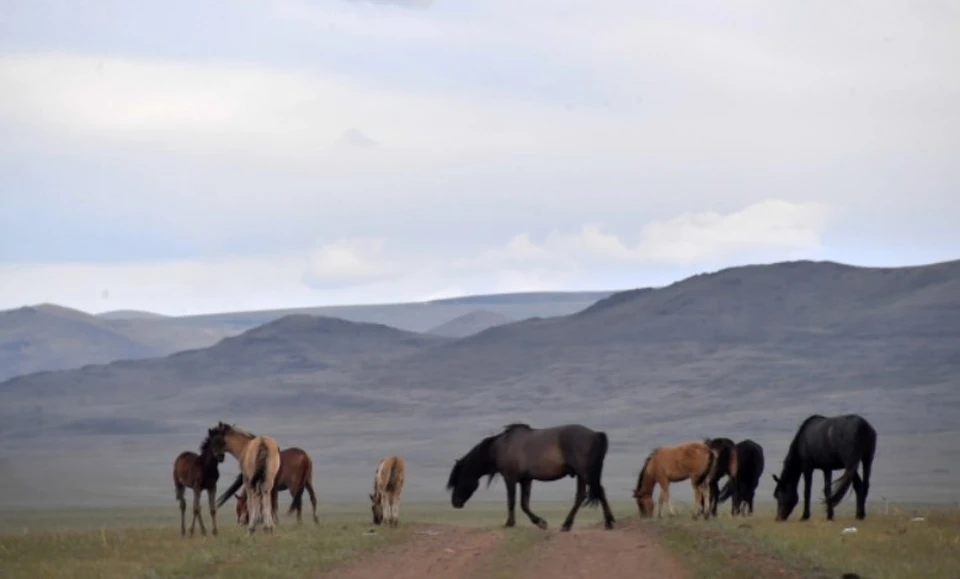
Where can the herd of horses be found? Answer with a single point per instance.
(521, 454)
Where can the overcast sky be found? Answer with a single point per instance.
(185, 157)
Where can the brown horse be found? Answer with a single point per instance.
(387, 485)
(199, 473)
(726, 451)
(521, 454)
(669, 464)
(295, 475)
(259, 461)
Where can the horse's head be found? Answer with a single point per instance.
(218, 446)
(376, 508)
(644, 503)
(242, 514)
(462, 484)
(786, 497)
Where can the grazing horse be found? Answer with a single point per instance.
(199, 473)
(744, 486)
(259, 461)
(295, 475)
(827, 444)
(521, 454)
(726, 467)
(669, 464)
(387, 485)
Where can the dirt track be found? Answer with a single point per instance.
(462, 553)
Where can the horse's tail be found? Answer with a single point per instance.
(259, 477)
(229, 492)
(840, 488)
(726, 491)
(708, 472)
(595, 458)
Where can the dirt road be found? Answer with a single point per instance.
(460, 553)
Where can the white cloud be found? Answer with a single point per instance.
(366, 270)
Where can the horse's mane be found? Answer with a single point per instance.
(470, 461)
(205, 445)
(225, 428)
(803, 426)
(643, 468)
(515, 426)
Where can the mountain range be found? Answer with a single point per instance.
(742, 352)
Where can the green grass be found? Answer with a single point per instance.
(884, 546)
(146, 542)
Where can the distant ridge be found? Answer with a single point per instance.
(470, 323)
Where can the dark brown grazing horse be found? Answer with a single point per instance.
(199, 473)
(295, 475)
(835, 443)
(521, 454)
(749, 469)
(726, 467)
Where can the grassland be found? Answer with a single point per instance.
(887, 544)
(145, 542)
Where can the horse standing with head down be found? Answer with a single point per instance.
(743, 488)
(387, 486)
(836, 443)
(521, 455)
(669, 464)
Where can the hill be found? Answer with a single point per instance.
(49, 337)
(742, 352)
(470, 323)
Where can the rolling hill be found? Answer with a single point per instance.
(49, 337)
(470, 323)
(742, 352)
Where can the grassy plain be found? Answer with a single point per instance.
(889, 543)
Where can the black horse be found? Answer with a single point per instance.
(743, 487)
(521, 454)
(827, 444)
(726, 466)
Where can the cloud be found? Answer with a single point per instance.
(693, 238)
(370, 270)
(404, 3)
(355, 138)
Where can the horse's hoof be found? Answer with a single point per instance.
(566, 527)
(214, 532)
(509, 524)
(608, 525)
(542, 524)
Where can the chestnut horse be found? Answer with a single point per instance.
(522, 454)
(259, 461)
(668, 464)
(295, 475)
(387, 485)
(199, 473)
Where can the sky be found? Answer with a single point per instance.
(188, 157)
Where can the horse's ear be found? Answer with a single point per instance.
(776, 479)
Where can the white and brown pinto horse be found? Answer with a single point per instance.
(387, 485)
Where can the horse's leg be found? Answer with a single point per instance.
(183, 510)
(395, 510)
(708, 500)
(664, 498)
(698, 506)
(275, 505)
(212, 497)
(197, 516)
(525, 486)
(608, 519)
(827, 483)
(297, 500)
(807, 483)
(313, 500)
(577, 501)
(269, 513)
(866, 465)
(861, 499)
(511, 502)
(714, 493)
(254, 510)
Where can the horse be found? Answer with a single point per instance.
(693, 460)
(744, 486)
(259, 461)
(295, 475)
(199, 472)
(521, 454)
(726, 466)
(827, 444)
(387, 485)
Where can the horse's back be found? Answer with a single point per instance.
(390, 474)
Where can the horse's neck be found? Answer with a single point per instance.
(791, 468)
(236, 444)
(208, 462)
